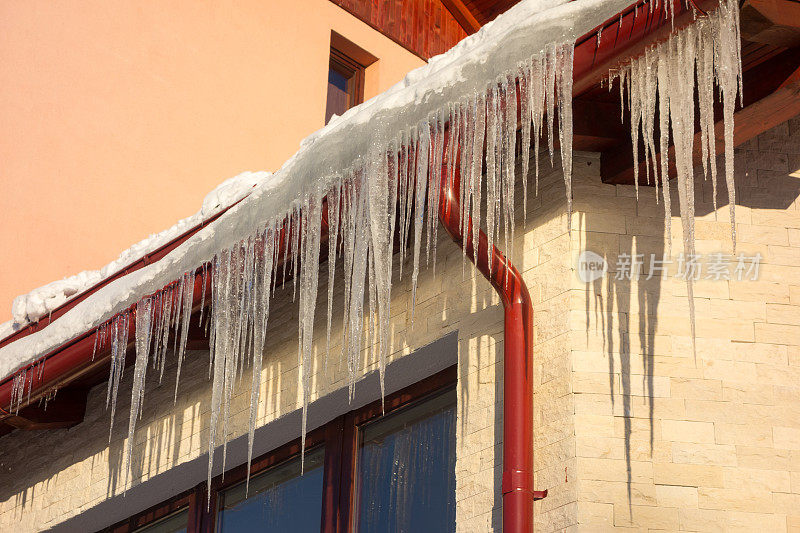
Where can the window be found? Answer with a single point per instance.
(345, 85)
(405, 469)
(172, 516)
(346, 68)
(387, 467)
(174, 523)
(279, 500)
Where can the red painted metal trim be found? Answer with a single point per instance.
(83, 354)
(627, 35)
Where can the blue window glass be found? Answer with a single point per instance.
(279, 500)
(405, 470)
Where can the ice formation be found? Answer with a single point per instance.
(696, 58)
(378, 169)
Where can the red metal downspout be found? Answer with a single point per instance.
(518, 492)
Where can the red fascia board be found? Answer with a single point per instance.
(628, 35)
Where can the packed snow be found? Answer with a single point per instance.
(376, 166)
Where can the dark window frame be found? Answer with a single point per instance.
(185, 500)
(340, 439)
(353, 72)
(351, 61)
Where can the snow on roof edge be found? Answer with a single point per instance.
(468, 67)
(32, 306)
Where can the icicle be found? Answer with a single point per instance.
(681, 65)
(17, 391)
(380, 226)
(295, 242)
(220, 351)
(144, 316)
(423, 148)
(635, 92)
(359, 260)
(202, 297)
(333, 239)
(477, 163)
(453, 145)
(347, 216)
(728, 76)
(663, 126)
(491, 169)
(648, 108)
(466, 186)
(215, 268)
(406, 197)
(525, 124)
(308, 298)
(705, 52)
(509, 89)
(94, 347)
(119, 345)
(536, 96)
(166, 311)
(705, 92)
(550, 93)
(393, 197)
(287, 232)
(177, 304)
(188, 295)
(159, 325)
(564, 56)
(435, 160)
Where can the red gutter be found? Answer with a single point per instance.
(84, 354)
(627, 35)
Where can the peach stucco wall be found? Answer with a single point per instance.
(117, 118)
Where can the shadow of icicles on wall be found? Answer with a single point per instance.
(634, 321)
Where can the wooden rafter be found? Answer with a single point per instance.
(463, 15)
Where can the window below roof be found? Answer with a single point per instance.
(405, 469)
(346, 71)
(383, 467)
(287, 497)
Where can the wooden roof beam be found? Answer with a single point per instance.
(65, 410)
(463, 15)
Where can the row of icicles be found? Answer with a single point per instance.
(396, 192)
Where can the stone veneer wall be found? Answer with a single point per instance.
(666, 440)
